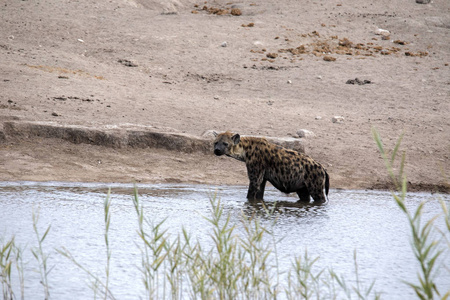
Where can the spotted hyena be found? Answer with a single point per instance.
(287, 170)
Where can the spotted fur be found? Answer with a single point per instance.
(287, 170)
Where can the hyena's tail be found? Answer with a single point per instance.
(327, 183)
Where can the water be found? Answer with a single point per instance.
(366, 221)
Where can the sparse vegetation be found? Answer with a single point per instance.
(427, 249)
(40, 256)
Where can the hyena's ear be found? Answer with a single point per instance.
(236, 138)
(215, 133)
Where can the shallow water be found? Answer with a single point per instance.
(366, 221)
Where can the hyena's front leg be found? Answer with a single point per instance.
(257, 184)
(262, 187)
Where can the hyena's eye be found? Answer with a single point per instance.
(225, 144)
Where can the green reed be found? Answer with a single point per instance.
(39, 254)
(6, 263)
(426, 248)
(96, 281)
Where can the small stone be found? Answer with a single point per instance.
(318, 118)
(423, 1)
(209, 134)
(216, 98)
(127, 63)
(55, 114)
(337, 119)
(236, 12)
(358, 81)
(304, 133)
(382, 32)
(224, 44)
(319, 77)
(289, 81)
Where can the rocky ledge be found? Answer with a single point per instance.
(125, 136)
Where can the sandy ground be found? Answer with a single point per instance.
(191, 66)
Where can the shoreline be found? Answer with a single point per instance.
(87, 155)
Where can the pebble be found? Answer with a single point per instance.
(357, 81)
(383, 32)
(216, 98)
(304, 133)
(318, 118)
(209, 134)
(337, 119)
(289, 81)
(224, 44)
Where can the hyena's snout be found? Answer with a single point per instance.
(218, 151)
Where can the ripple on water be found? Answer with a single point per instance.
(366, 221)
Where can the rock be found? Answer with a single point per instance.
(224, 44)
(358, 81)
(423, 1)
(288, 143)
(382, 32)
(289, 81)
(318, 118)
(2, 135)
(236, 12)
(209, 134)
(337, 119)
(304, 133)
(114, 138)
(127, 63)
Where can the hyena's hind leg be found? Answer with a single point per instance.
(319, 196)
(303, 194)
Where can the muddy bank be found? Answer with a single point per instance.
(39, 151)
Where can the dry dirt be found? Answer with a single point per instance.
(254, 67)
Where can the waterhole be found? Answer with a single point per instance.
(368, 223)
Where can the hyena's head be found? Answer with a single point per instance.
(224, 143)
